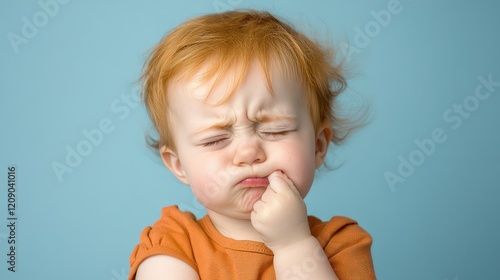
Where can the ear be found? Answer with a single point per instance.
(172, 162)
(323, 138)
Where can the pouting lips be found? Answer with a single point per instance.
(254, 182)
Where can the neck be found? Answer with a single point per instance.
(234, 228)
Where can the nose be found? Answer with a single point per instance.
(249, 151)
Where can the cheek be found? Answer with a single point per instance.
(297, 162)
(206, 179)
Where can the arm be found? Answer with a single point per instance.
(303, 260)
(280, 217)
(163, 267)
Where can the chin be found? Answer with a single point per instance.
(232, 211)
(251, 196)
(237, 214)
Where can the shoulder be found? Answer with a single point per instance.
(340, 229)
(175, 220)
(346, 245)
(171, 235)
(173, 224)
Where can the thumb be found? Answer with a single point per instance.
(279, 182)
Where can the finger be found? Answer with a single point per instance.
(291, 185)
(277, 178)
(275, 174)
(268, 194)
(257, 206)
(279, 182)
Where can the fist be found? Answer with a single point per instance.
(280, 216)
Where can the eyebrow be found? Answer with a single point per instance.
(220, 124)
(225, 124)
(273, 117)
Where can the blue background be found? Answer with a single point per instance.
(77, 70)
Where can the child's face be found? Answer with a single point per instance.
(226, 152)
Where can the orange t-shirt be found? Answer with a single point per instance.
(214, 256)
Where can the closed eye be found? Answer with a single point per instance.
(214, 142)
(274, 134)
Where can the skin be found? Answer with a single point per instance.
(250, 161)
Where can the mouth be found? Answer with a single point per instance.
(254, 182)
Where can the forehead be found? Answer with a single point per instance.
(194, 99)
(211, 86)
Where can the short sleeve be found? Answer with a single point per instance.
(348, 247)
(171, 235)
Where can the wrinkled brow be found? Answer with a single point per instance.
(219, 124)
(265, 117)
(224, 124)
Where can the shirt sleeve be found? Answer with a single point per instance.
(168, 236)
(348, 248)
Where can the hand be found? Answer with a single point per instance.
(280, 216)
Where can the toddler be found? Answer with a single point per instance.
(243, 107)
